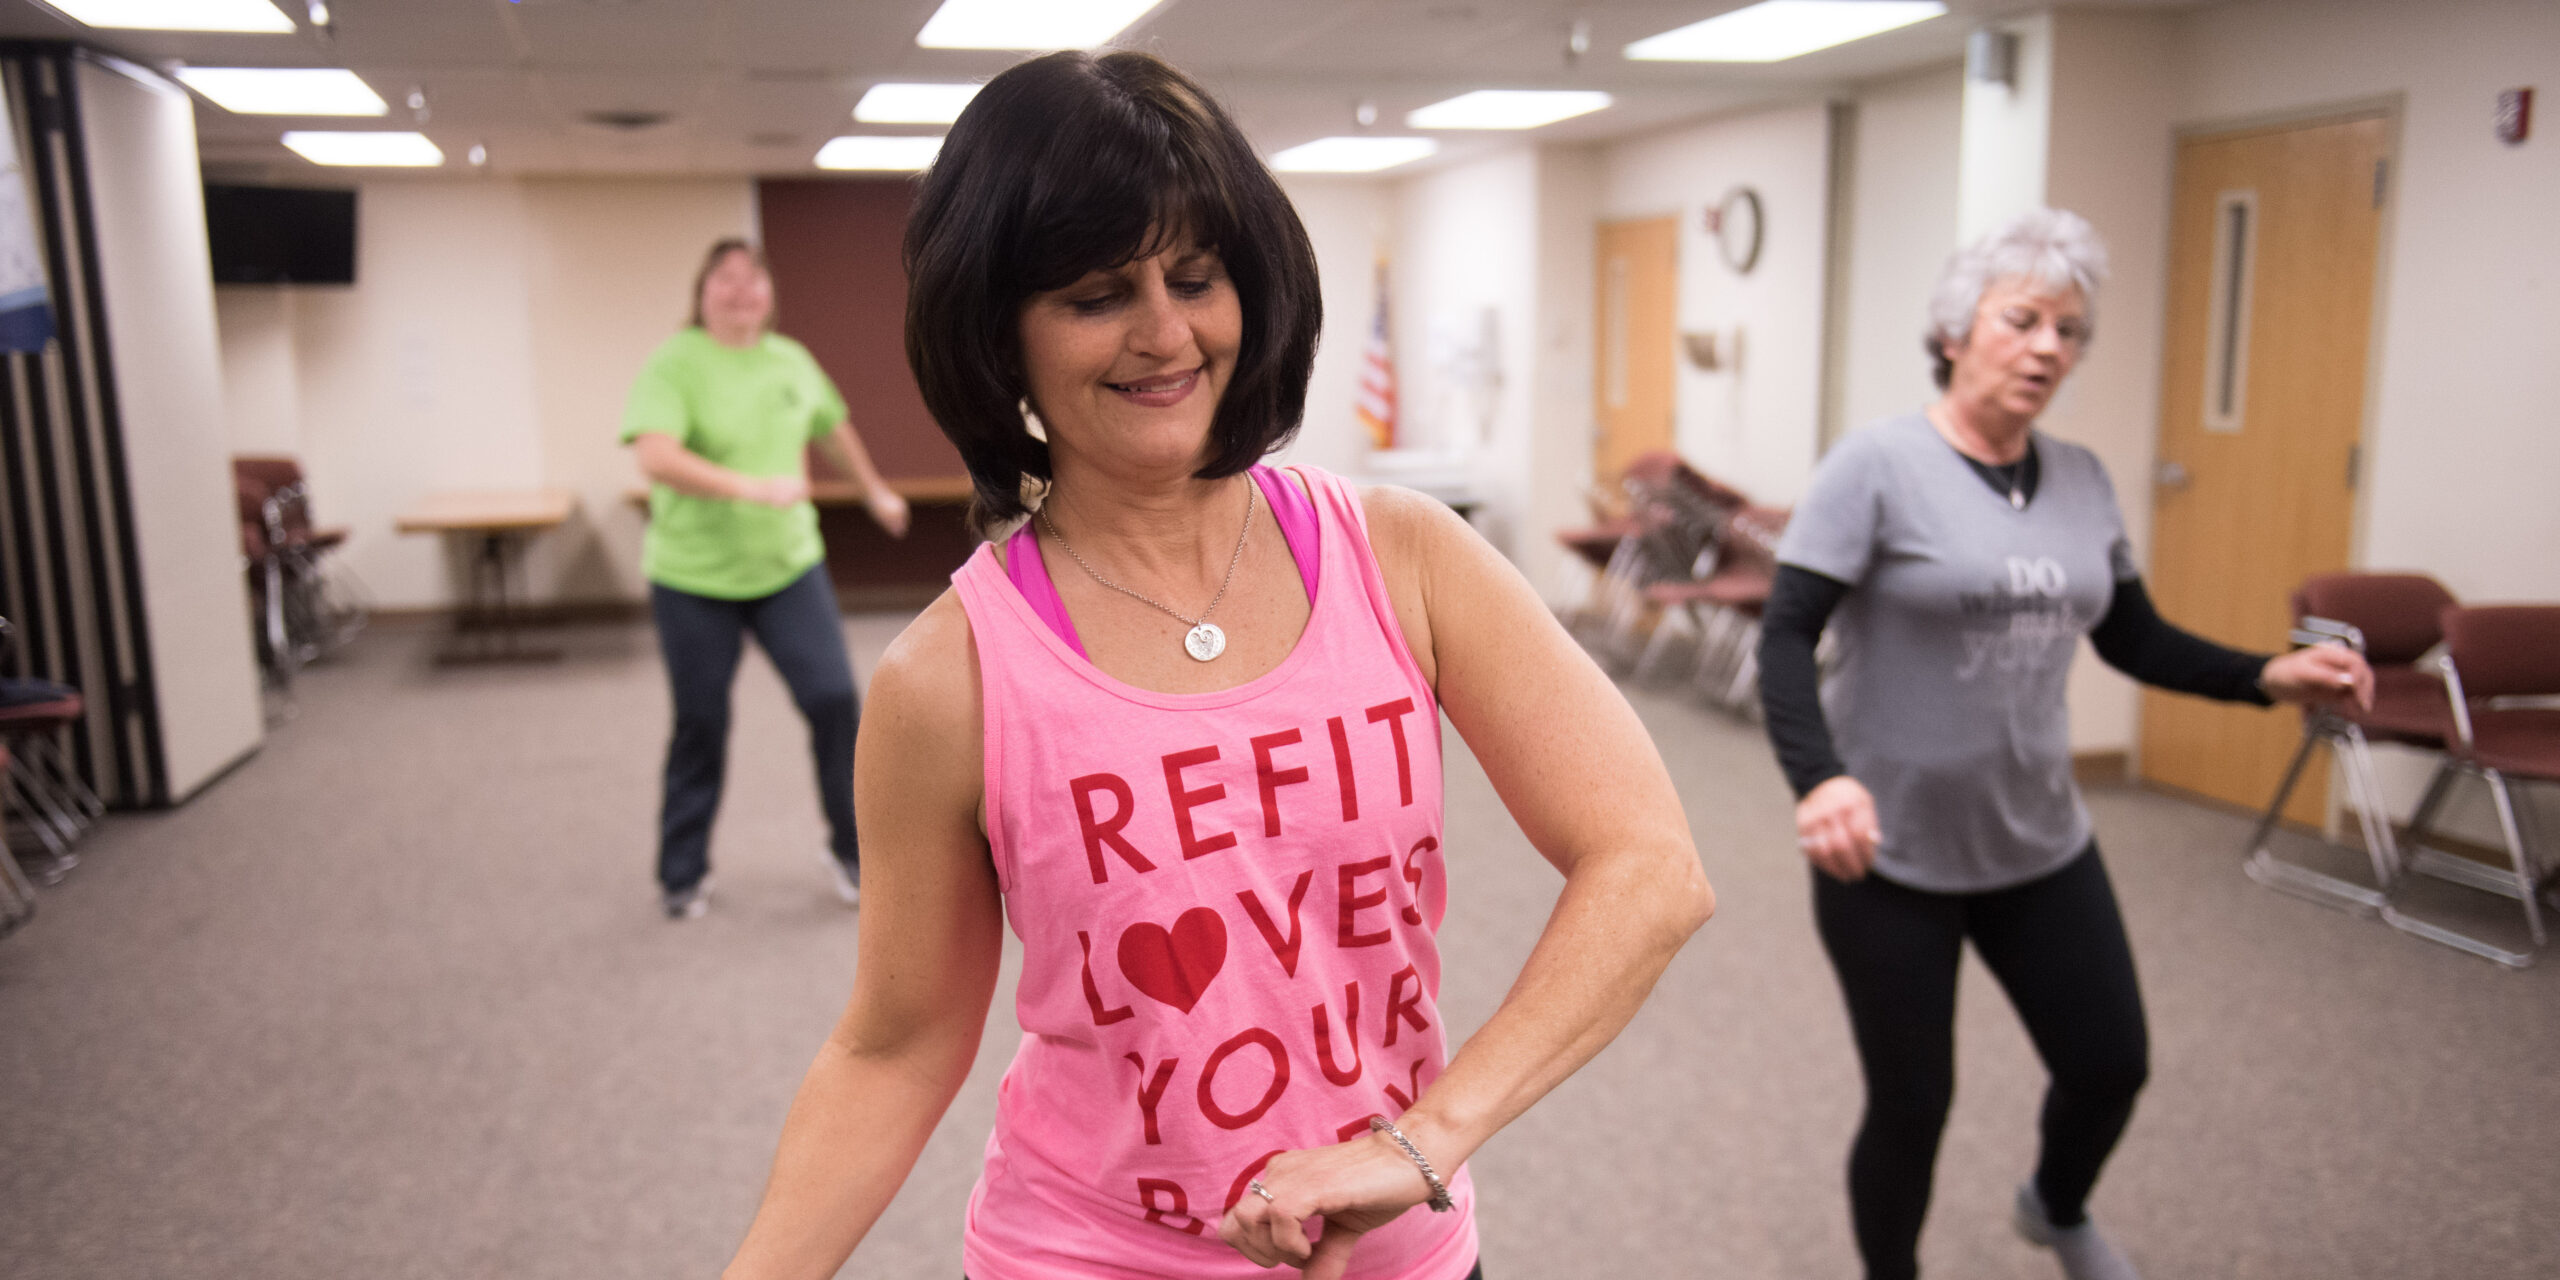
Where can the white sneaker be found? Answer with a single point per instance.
(847, 887)
(2083, 1253)
(688, 904)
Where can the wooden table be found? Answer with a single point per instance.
(500, 521)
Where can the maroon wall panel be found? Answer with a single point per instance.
(839, 289)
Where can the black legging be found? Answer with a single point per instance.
(2057, 946)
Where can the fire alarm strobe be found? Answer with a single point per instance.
(2515, 115)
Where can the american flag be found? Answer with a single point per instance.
(1376, 403)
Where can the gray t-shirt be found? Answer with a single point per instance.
(1955, 641)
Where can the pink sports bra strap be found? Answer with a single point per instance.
(1291, 509)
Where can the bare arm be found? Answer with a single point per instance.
(1582, 778)
(666, 461)
(932, 937)
(844, 445)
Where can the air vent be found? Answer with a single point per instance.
(626, 121)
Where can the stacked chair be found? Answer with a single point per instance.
(1726, 601)
(2502, 689)
(1673, 515)
(304, 608)
(17, 897)
(45, 795)
(2489, 702)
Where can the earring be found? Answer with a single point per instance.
(1031, 424)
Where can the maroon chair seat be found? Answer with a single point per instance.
(2408, 708)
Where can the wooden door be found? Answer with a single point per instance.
(1637, 287)
(2271, 259)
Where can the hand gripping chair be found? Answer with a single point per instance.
(2502, 685)
(2393, 619)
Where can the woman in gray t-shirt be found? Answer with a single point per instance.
(1958, 555)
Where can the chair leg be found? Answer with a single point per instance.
(2528, 883)
(1746, 669)
(23, 798)
(2302, 882)
(2464, 871)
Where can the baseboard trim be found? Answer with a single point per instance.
(2101, 768)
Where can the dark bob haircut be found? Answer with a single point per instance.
(1072, 163)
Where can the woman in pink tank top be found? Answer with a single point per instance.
(1181, 731)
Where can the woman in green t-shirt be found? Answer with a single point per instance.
(719, 420)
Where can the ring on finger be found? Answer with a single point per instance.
(1256, 1187)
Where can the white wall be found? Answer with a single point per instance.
(2110, 158)
(156, 276)
(1349, 220)
(487, 343)
(1561, 411)
(1757, 423)
(2002, 169)
(1466, 247)
(1902, 226)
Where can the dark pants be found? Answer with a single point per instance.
(2058, 948)
(701, 638)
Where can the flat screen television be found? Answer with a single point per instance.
(281, 235)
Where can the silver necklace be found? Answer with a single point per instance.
(1205, 641)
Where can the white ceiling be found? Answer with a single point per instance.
(754, 86)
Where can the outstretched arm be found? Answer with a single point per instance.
(932, 937)
(1582, 778)
(2134, 639)
(887, 506)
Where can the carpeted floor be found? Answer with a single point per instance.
(394, 1000)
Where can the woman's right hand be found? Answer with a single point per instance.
(779, 492)
(1836, 828)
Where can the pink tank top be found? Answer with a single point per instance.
(1226, 904)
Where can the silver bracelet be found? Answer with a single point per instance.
(1439, 1201)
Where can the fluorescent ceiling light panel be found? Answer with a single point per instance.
(285, 91)
(1029, 24)
(914, 103)
(1777, 30)
(879, 153)
(178, 15)
(387, 150)
(1352, 154)
(1507, 109)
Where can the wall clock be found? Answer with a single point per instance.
(1735, 223)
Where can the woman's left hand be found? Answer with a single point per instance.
(1356, 1187)
(889, 509)
(2322, 675)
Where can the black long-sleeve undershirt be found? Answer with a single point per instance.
(2132, 637)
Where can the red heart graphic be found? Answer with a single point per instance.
(1175, 967)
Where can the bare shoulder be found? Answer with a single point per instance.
(923, 700)
(1436, 566)
(1407, 528)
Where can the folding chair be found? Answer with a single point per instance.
(2502, 677)
(1676, 514)
(305, 610)
(2393, 619)
(40, 787)
(1727, 603)
(17, 897)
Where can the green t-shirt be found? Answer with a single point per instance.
(753, 410)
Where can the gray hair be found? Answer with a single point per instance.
(2050, 249)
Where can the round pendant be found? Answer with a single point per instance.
(1205, 642)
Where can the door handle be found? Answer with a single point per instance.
(2172, 476)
